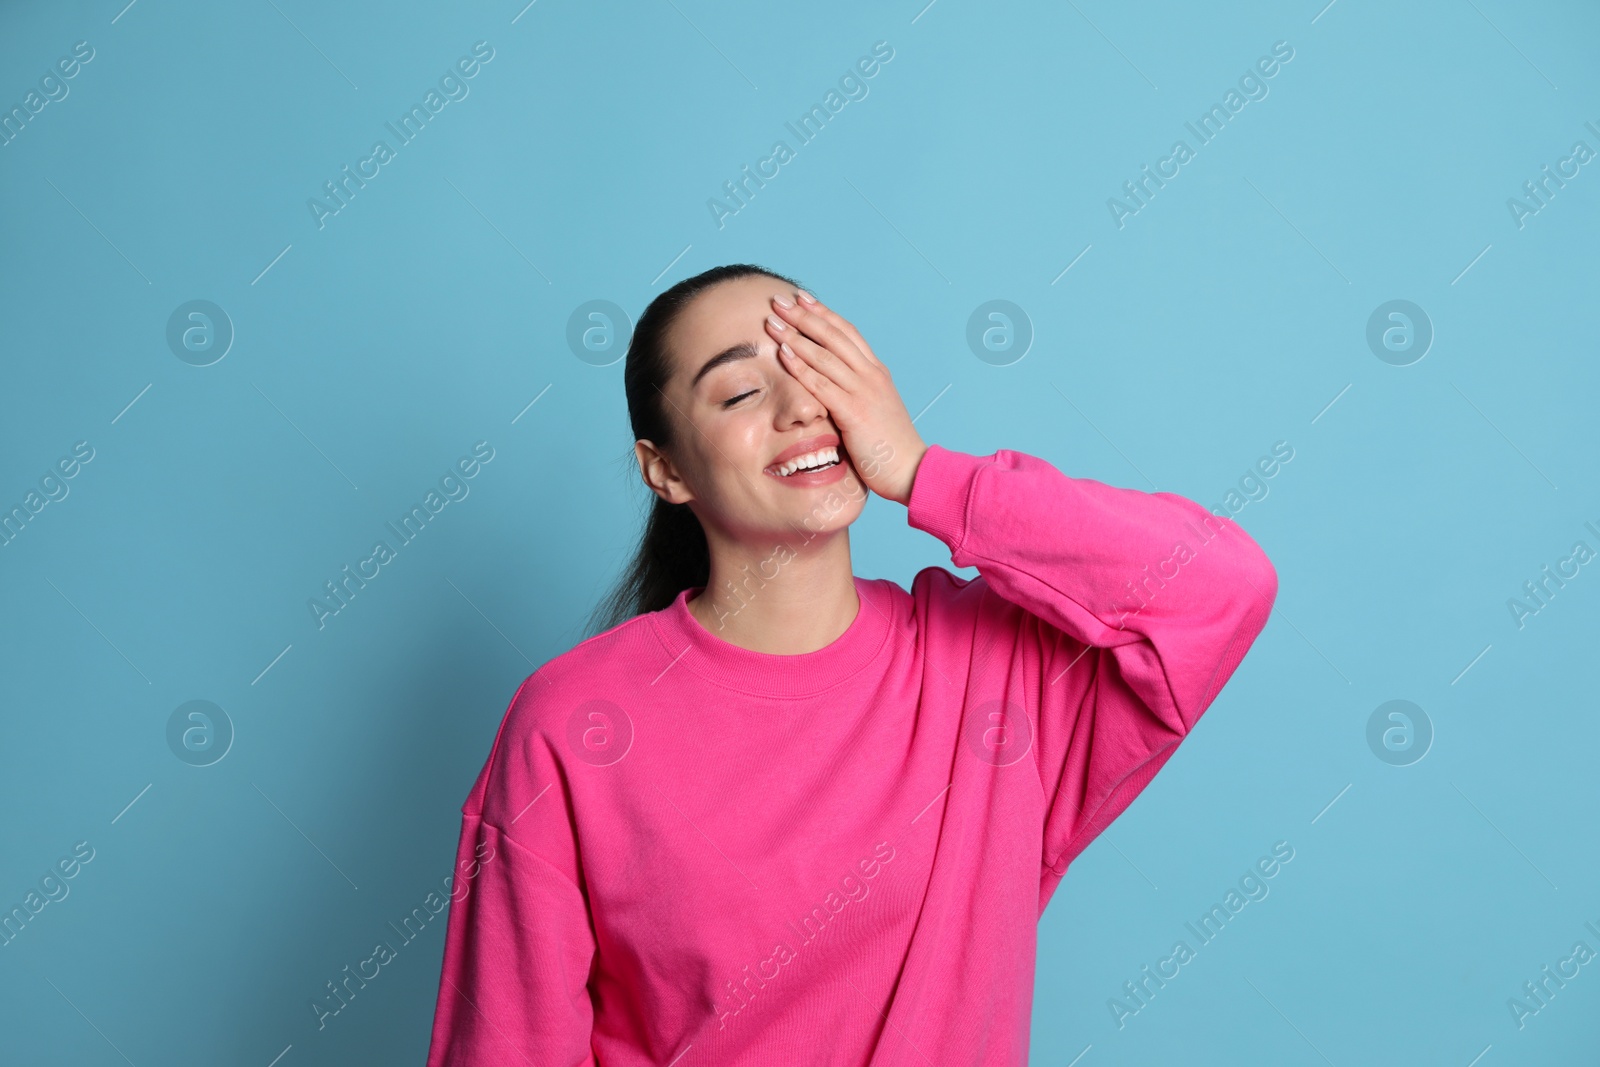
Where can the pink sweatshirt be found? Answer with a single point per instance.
(684, 852)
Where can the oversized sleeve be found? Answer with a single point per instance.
(1137, 608)
(519, 942)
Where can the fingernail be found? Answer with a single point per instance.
(783, 301)
(784, 348)
(777, 323)
(806, 297)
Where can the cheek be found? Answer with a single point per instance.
(739, 444)
(727, 459)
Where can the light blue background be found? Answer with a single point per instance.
(1228, 314)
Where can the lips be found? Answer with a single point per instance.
(804, 446)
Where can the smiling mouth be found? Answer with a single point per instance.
(820, 460)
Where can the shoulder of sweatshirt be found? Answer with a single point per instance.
(594, 676)
(628, 645)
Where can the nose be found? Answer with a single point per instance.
(797, 405)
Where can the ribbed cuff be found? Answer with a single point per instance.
(939, 493)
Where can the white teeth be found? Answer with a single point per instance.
(810, 460)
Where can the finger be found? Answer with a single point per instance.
(820, 357)
(816, 383)
(840, 323)
(824, 333)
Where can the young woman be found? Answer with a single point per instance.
(777, 813)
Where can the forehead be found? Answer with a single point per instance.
(725, 314)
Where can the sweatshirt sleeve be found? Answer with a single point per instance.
(519, 943)
(1137, 608)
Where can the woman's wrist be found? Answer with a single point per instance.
(912, 464)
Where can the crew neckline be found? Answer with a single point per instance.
(692, 647)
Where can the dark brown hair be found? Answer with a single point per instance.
(672, 555)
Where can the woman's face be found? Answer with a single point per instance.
(738, 416)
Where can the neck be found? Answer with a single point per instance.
(780, 599)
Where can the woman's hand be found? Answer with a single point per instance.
(830, 358)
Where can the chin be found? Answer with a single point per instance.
(835, 506)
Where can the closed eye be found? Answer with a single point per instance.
(734, 400)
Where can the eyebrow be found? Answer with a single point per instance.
(731, 354)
